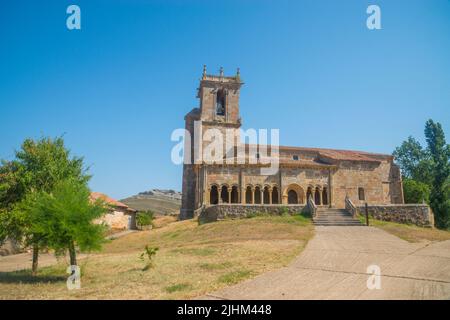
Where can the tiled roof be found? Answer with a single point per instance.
(266, 161)
(336, 154)
(110, 201)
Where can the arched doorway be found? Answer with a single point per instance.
(234, 194)
(292, 197)
(325, 196)
(275, 195)
(214, 195)
(317, 197)
(266, 195)
(299, 194)
(257, 195)
(224, 194)
(248, 195)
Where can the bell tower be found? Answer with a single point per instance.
(219, 105)
(219, 98)
(218, 110)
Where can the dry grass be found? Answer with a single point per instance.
(411, 233)
(192, 260)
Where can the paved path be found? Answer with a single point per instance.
(334, 266)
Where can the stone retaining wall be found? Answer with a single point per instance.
(219, 212)
(418, 214)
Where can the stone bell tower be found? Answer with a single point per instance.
(219, 110)
(219, 105)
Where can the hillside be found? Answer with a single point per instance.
(161, 202)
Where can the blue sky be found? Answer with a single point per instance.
(118, 87)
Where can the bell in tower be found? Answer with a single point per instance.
(219, 98)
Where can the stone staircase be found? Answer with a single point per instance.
(334, 217)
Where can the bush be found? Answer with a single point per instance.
(415, 191)
(144, 218)
(284, 211)
(252, 214)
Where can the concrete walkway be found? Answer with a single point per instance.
(334, 266)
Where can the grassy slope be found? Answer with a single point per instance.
(159, 205)
(192, 261)
(408, 232)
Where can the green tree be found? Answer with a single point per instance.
(415, 191)
(414, 161)
(66, 217)
(440, 152)
(37, 167)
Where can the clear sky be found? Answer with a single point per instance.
(118, 87)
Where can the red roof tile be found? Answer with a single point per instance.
(341, 154)
(108, 200)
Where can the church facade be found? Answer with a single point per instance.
(327, 176)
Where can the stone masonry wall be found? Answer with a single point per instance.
(118, 220)
(219, 212)
(418, 214)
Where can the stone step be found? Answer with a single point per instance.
(334, 214)
(338, 225)
(334, 220)
(335, 217)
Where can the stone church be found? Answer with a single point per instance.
(327, 176)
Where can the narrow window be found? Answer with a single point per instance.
(220, 102)
(361, 194)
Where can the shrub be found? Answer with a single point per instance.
(252, 214)
(178, 287)
(415, 191)
(148, 253)
(144, 218)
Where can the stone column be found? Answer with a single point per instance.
(280, 187)
(253, 195)
(229, 194)
(330, 188)
(270, 196)
(206, 194)
(240, 193)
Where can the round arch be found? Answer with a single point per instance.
(214, 194)
(299, 193)
(257, 196)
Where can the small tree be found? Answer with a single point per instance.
(144, 218)
(65, 218)
(38, 166)
(147, 256)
